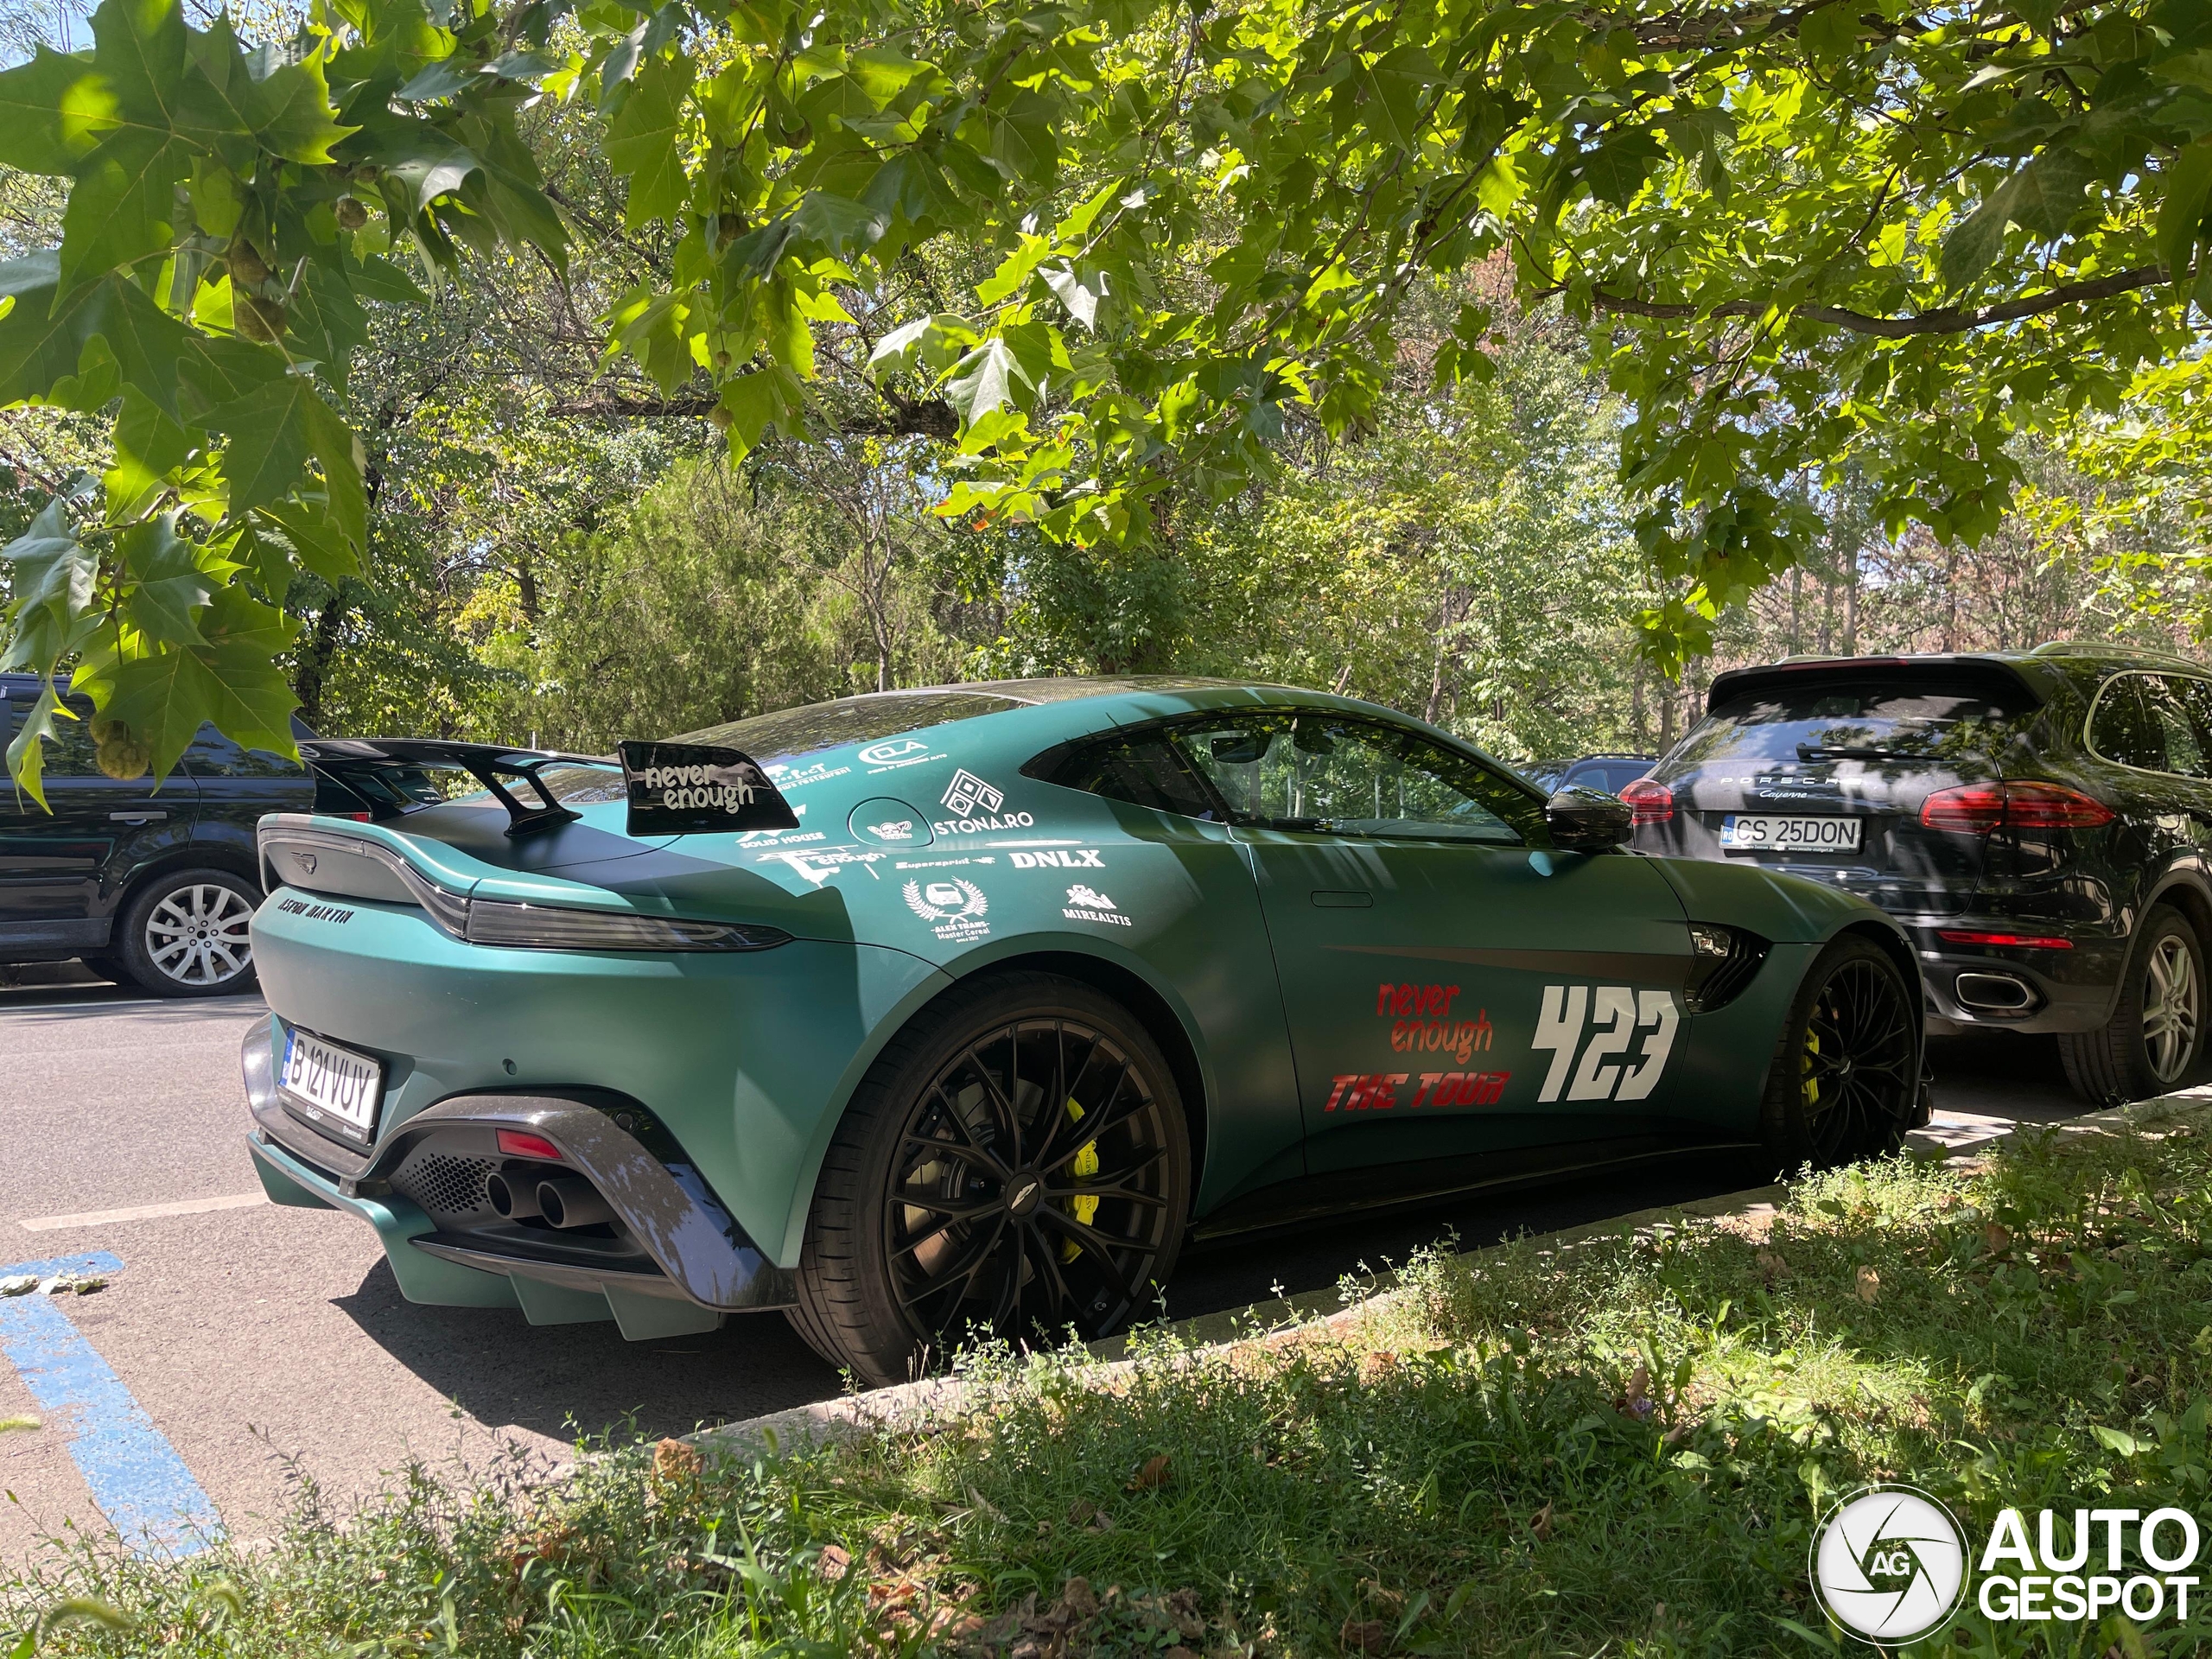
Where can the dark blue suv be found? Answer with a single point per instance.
(151, 883)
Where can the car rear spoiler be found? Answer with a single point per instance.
(487, 763)
(673, 788)
(1991, 673)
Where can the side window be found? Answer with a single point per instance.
(2123, 730)
(1145, 772)
(1334, 776)
(2185, 710)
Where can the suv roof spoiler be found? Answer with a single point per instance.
(490, 764)
(1804, 671)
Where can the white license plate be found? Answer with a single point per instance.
(332, 1086)
(1790, 835)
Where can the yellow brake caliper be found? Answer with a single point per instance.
(1085, 1166)
(1812, 1053)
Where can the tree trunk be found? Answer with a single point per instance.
(315, 662)
(1851, 604)
(1796, 608)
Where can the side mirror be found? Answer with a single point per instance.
(1587, 820)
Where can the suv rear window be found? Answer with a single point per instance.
(1919, 722)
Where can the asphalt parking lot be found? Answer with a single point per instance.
(237, 1347)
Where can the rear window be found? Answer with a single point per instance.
(1868, 723)
(790, 732)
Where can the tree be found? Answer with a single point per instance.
(1821, 233)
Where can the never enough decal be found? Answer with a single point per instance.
(1430, 1028)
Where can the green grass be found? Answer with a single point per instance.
(1620, 1448)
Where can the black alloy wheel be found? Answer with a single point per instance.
(1022, 1173)
(1844, 1078)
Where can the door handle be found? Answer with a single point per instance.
(1342, 899)
(135, 817)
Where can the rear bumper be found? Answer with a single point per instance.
(677, 1263)
(2017, 987)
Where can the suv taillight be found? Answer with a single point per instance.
(1976, 809)
(1648, 802)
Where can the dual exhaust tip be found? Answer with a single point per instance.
(563, 1201)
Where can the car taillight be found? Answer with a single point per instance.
(2032, 941)
(517, 1144)
(1649, 802)
(1976, 809)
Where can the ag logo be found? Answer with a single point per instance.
(1889, 1564)
(898, 749)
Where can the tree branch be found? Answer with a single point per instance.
(920, 417)
(1947, 319)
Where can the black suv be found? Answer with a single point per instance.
(152, 884)
(2041, 821)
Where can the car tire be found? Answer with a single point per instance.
(950, 1204)
(2155, 1041)
(1845, 1081)
(184, 933)
(109, 967)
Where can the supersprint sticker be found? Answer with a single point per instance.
(1637, 1027)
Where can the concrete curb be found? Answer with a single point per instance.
(910, 1405)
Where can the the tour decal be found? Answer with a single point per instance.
(1381, 1091)
(1630, 1035)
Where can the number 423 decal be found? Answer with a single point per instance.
(1616, 1016)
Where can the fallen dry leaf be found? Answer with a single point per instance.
(1870, 1285)
(1364, 1635)
(1541, 1522)
(675, 1461)
(1374, 1367)
(1637, 1401)
(1997, 1236)
(1771, 1264)
(833, 1561)
(1153, 1474)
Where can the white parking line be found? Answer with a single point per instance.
(144, 1212)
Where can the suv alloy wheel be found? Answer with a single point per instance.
(185, 933)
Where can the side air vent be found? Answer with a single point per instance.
(1723, 961)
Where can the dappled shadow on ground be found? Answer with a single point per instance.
(562, 1380)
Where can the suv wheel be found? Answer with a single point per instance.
(1845, 1081)
(185, 933)
(2156, 1037)
(1015, 1165)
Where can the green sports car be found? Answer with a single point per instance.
(935, 1013)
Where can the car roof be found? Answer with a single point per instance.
(2036, 671)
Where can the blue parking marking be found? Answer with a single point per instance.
(140, 1483)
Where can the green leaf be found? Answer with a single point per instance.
(52, 571)
(320, 545)
(27, 753)
(643, 141)
(1972, 246)
(983, 380)
(1080, 297)
(269, 446)
(1616, 170)
(140, 48)
(164, 697)
(882, 73)
(166, 584)
(148, 446)
(2044, 195)
(1830, 33)
(124, 204)
(2181, 217)
(379, 279)
(1392, 84)
(53, 110)
(1022, 141)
